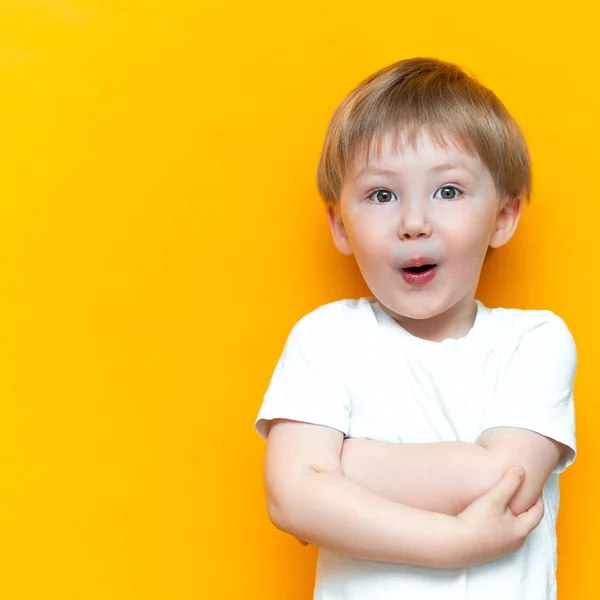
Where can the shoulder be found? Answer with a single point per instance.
(335, 323)
(538, 330)
(340, 314)
(522, 321)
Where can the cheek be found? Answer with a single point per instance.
(367, 236)
(470, 242)
(370, 249)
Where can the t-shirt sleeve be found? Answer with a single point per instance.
(536, 390)
(308, 384)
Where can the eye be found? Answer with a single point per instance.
(448, 192)
(383, 196)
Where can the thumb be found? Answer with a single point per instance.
(507, 487)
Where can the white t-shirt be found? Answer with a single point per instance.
(349, 366)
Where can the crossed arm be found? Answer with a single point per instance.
(447, 476)
(446, 504)
(439, 505)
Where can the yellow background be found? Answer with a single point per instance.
(160, 232)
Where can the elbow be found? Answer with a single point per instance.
(280, 511)
(277, 514)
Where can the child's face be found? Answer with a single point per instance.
(422, 206)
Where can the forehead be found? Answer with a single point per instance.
(414, 153)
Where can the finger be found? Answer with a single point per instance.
(507, 487)
(531, 518)
(302, 542)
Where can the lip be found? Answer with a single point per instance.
(418, 261)
(419, 279)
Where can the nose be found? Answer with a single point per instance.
(414, 222)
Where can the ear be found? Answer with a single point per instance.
(507, 220)
(338, 230)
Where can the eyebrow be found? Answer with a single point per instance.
(369, 171)
(450, 166)
(442, 167)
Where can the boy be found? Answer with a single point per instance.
(413, 435)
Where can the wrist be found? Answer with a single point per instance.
(464, 546)
(455, 543)
(446, 542)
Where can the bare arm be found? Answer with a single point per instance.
(447, 476)
(309, 497)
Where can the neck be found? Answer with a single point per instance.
(453, 323)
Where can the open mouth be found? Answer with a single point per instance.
(419, 269)
(419, 272)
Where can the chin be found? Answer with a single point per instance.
(419, 311)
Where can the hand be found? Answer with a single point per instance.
(491, 528)
(302, 542)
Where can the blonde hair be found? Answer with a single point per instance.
(418, 93)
